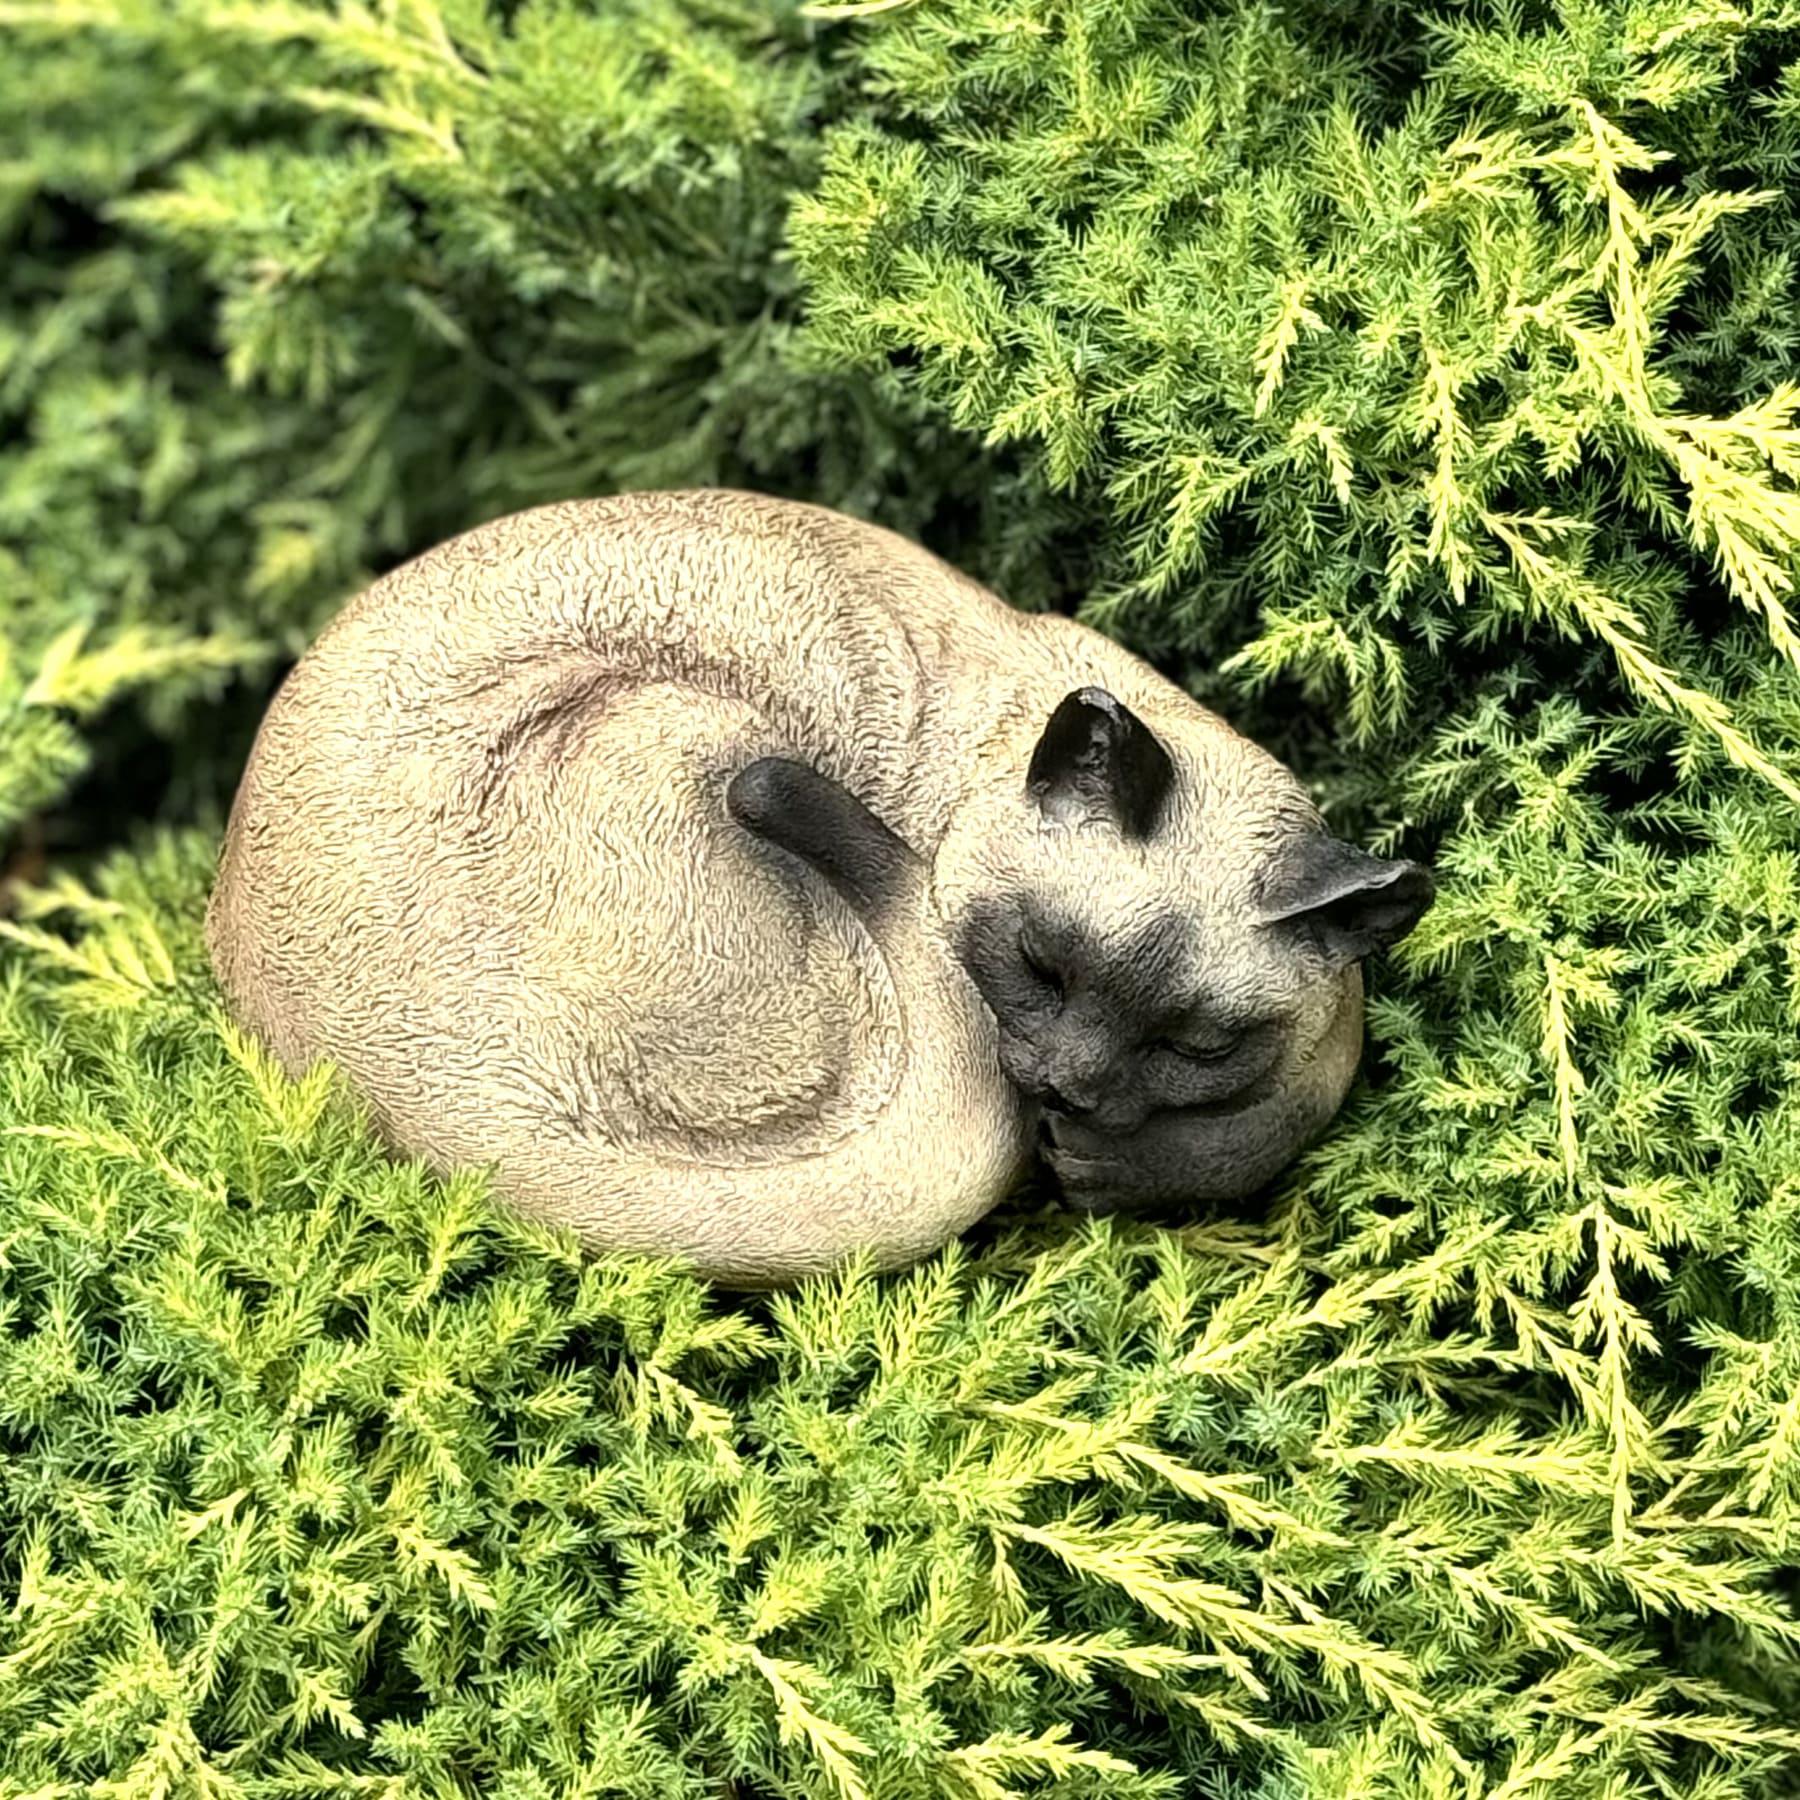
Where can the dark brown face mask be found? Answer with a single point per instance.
(1096, 1026)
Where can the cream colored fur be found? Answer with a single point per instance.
(480, 859)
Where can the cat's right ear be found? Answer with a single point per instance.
(1351, 903)
(1098, 759)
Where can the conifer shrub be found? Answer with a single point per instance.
(294, 291)
(1418, 383)
(323, 1477)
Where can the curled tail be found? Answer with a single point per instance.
(947, 1146)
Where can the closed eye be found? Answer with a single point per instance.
(1210, 1050)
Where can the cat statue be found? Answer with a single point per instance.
(741, 883)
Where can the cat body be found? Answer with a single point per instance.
(657, 851)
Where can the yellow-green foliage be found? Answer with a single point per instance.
(324, 1477)
(1421, 383)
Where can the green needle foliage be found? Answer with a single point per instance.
(1418, 382)
(327, 1478)
(451, 269)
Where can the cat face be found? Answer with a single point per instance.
(1168, 940)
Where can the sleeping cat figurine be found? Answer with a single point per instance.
(741, 883)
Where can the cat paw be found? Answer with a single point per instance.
(1090, 1183)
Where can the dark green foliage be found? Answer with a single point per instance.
(448, 279)
(1419, 383)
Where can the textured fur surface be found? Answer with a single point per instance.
(483, 858)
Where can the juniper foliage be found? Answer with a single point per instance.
(325, 1477)
(1418, 382)
(453, 266)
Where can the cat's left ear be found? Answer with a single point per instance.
(1353, 903)
(1098, 759)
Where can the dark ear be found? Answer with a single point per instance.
(1353, 903)
(1098, 759)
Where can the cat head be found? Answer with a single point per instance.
(1162, 927)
